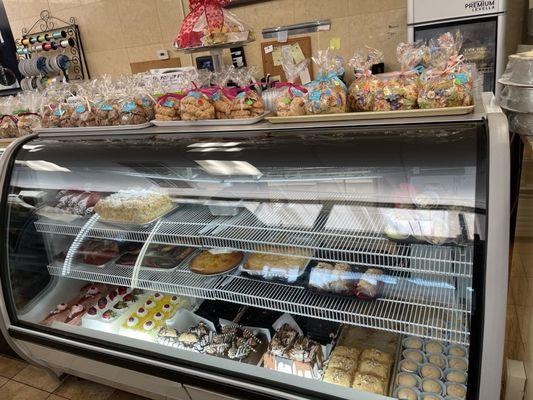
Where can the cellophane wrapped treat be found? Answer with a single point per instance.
(208, 24)
(107, 103)
(52, 107)
(222, 96)
(413, 56)
(451, 87)
(327, 93)
(361, 92)
(82, 113)
(136, 104)
(450, 82)
(28, 117)
(8, 123)
(197, 104)
(396, 91)
(247, 102)
(291, 99)
(168, 96)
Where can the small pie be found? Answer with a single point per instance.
(207, 263)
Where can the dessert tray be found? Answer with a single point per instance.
(145, 224)
(212, 122)
(92, 129)
(355, 116)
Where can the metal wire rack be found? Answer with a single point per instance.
(354, 235)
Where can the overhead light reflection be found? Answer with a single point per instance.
(220, 167)
(215, 144)
(41, 165)
(210, 149)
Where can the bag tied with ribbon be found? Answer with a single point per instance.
(197, 104)
(327, 93)
(291, 99)
(362, 91)
(206, 17)
(247, 103)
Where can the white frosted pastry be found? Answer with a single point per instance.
(149, 304)
(132, 322)
(148, 325)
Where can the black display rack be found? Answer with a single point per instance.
(47, 25)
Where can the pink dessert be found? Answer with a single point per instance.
(74, 315)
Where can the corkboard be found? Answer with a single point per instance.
(268, 60)
(154, 64)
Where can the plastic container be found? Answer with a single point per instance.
(427, 382)
(412, 393)
(224, 208)
(342, 279)
(456, 376)
(279, 268)
(519, 69)
(414, 355)
(517, 99)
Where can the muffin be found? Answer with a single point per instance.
(457, 363)
(413, 343)
(407, 379)
(408, 366)
(404, 393)
(434, 347)
(456, 350)
(456, 390)
(430, 371)
(414, 355)
(431, 386)
(438, 359)
(455, 376)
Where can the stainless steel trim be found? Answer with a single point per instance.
(294, 29)
(456, 19)
(497, 258)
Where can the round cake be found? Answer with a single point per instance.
(207, 263)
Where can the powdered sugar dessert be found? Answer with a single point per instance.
(133, 206)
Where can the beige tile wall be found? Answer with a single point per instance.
(118, 32)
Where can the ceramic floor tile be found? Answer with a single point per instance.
(38, 378)
(121, 395)
(9, 367)
(3, 381)
(80, 389)
(13, 390)
(56, 397)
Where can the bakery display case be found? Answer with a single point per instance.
(349, 260)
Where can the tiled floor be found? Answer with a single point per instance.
(21, 381)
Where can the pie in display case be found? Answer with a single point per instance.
(341, 261)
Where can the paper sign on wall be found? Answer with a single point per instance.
(335, 43)
(276, 56)
(297, 53)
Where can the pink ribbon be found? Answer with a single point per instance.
(167, 96)
(13, 118)
(291, 87)
(214, 16)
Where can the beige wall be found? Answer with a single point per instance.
(116, 33)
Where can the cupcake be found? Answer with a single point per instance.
(430, 371)
(158, 316)
(157, 297)
(167, 308)
(174, 300)
(132, 322)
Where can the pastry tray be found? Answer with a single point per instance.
(229, 271)
(212, 122)
(144, 224)
(156, 269)
(93, 129)
(354, 116)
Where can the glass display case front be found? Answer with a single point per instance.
(327, 262)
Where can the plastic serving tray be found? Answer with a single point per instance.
(212, 122)
(354, 116)
(94, 129)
